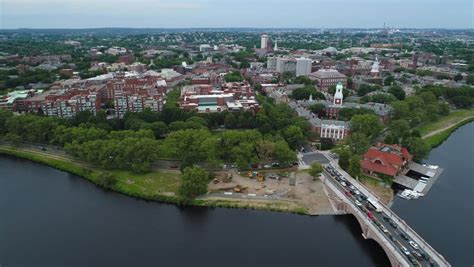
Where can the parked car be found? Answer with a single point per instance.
(343, 184)
(348, 193)
(358, 203)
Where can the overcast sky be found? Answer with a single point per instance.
(236, 13)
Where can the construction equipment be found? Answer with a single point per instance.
(260, 177)
(238, 188)
(227, 178)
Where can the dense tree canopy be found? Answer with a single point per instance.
(194, 182)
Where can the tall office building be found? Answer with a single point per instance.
(264, 41)
(303, 66)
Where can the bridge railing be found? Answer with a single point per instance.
(434, 254)
(382, 239)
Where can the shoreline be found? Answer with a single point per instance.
(91, 174)
(435, 140)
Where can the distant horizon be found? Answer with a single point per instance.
(86, 14)
(243, 27)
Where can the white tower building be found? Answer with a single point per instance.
(338, 96)
(263, 41)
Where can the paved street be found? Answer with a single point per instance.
(394, 230)
(311, 157)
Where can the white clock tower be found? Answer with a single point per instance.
(338, 96)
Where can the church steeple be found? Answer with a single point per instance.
(375, 68)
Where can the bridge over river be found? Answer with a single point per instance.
(403, 246)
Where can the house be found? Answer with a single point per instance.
(384, 159)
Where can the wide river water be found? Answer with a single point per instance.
(52, 218)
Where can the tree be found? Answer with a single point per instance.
(354, 166)
(462, 101)
(367, 124)
(194, 182)
(106, 180)
(283, 154)
(14, 139)
(458, 77)
(244, 155)
(326, 143)
(4, 117)
(317, 108)
(400, 109)
(470, 79)
(399, 129)
(397, 91)
(358, 142)
(294, 136)
(417, 147)
(346, 114)
(233, 77)
(315, 170)
(305, 92)
(344, 157)
(389, 81)
(365, 89)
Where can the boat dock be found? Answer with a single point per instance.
(418, 177)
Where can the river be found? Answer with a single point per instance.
(52, 218)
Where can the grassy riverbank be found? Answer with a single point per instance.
(437, 139)
(436, 133)
(158, 186)
(448, 121)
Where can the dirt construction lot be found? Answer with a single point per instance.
(309, 193)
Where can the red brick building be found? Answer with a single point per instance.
(326, 78)
(385, 159)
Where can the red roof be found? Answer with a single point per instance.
(385, 159)
(379, 168)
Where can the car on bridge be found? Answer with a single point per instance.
(404, 236)
(405, 250)
(413, 244)
(370, 215)
(392, 223)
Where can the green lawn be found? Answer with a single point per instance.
(149, 184)
(445, 121)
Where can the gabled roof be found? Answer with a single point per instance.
(385, 157)
(379, 168)
(392, 158)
